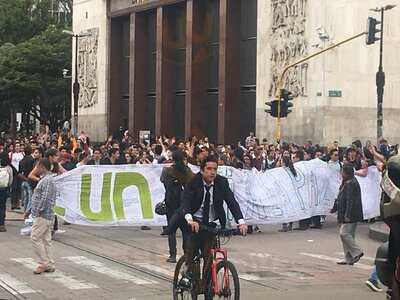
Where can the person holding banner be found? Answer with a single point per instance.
(349, 208)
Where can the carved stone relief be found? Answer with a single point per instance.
(87, 67)
(289, 44)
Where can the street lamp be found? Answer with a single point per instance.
(380, 75)
(76, 86)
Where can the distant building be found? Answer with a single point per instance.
(207, 67)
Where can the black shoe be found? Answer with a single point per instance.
(389, 294)
(165, 231)
(172, 259)
(145, 228)
(356, 259)
(342, 262)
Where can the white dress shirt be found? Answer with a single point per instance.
(212, 215)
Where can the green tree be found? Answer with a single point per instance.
(33, 52)
(31, 78)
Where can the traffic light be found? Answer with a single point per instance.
(286, 104)
(372, 31)
(273, 108)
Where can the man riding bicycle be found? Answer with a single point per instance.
(203, 200)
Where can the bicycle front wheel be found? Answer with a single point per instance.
(179, 292)
(227, 284)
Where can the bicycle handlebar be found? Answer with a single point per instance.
(219, 231)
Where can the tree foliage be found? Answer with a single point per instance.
(33, 53)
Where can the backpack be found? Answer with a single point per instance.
(4, 178)
(173, 194)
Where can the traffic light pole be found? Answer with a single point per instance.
(76, 87)
(280, 83)
(380, 84)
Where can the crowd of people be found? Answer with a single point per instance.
(69, 151)
(21, 164)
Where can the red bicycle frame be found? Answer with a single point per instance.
(218, 255)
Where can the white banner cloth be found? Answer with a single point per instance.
(126, 195)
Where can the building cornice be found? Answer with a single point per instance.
(149, 4)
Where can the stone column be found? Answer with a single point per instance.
(229, 71)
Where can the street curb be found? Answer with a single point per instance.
(379, 231)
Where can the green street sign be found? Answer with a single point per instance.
(334, 93)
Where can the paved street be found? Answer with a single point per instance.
(127, 263)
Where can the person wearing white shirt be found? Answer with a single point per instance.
(334, 162)
(16, 156)
(203, 200)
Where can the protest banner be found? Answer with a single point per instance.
(126, 195)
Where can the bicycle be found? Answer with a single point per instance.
(219, 278)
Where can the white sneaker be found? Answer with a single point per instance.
(373, 285)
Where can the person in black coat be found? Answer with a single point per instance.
(203, 200)
(175, 178)
(349, 212)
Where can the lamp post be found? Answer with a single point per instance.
(380, 75)
(76, 86)
(67, 116)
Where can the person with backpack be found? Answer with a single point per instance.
(174, 179)
(6, 179)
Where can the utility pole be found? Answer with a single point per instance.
(76, 86)
(380, 75)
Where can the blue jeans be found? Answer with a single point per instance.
(374, 275)
(26, 195)
(3, 199)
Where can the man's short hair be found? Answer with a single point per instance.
(158, 149)
(28, 150)
(50, 152)
(333, 151)
(45, 162)
(113, 151)
(348, 169)
(209, 158)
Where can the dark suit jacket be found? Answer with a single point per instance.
(194, 193)
(92, 163)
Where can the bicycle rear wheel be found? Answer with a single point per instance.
(181, 293)
(228, 283)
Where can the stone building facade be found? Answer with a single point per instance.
(318, 113)
(207, 67)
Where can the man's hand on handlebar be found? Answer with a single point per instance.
(243, 229)
(194, 226)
